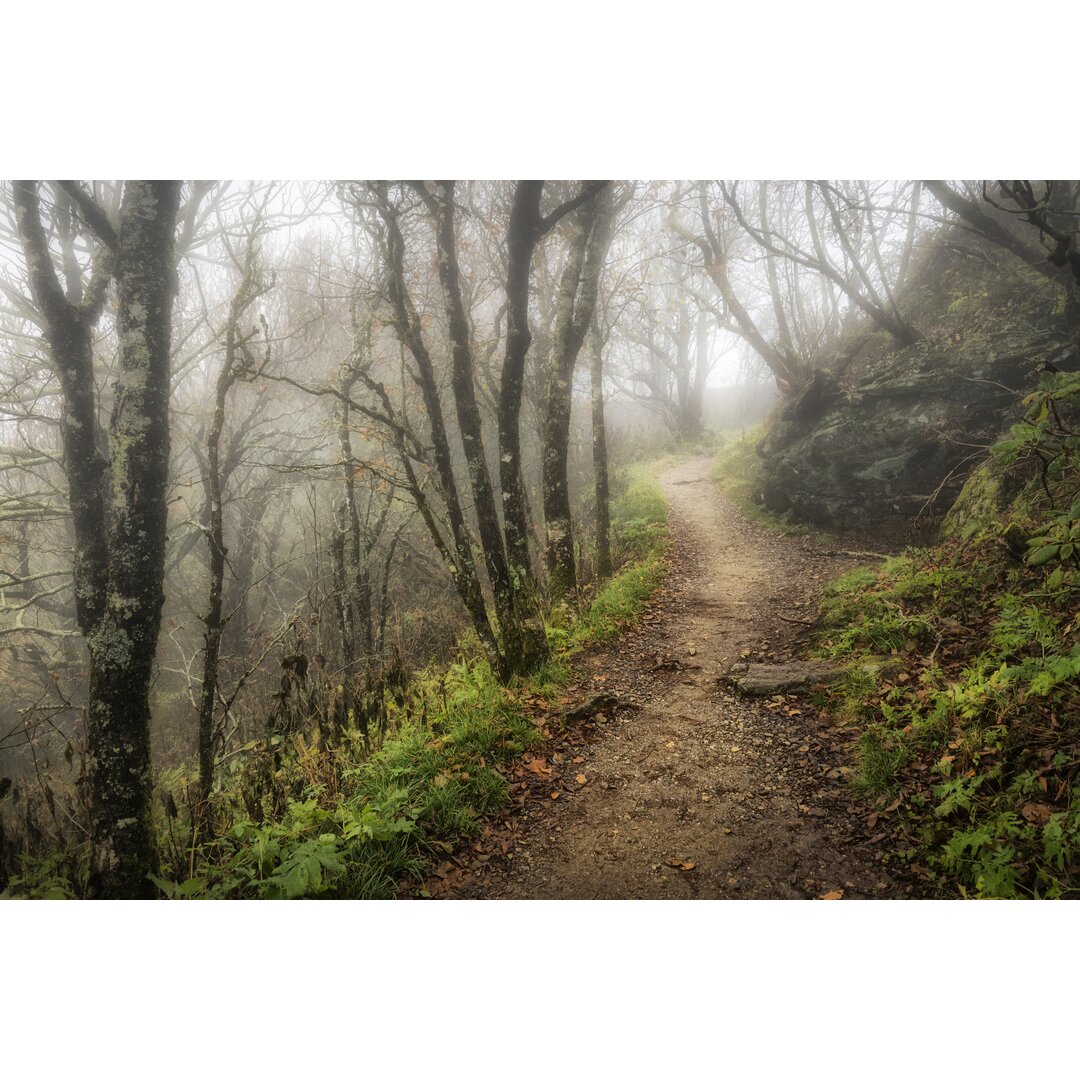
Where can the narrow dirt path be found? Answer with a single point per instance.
(689, 791)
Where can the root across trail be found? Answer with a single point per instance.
(681, 789)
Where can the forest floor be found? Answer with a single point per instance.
(682, 789)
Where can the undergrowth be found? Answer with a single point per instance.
(361, 815)
(964, 681)
(639, 527)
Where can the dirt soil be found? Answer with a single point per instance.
(683, 789)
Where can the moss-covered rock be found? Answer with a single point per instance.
(990, 500)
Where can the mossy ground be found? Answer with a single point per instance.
(964, 681)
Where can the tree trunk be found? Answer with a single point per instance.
(577, 300)
(118, 503)
(123, 642)
(458, 554)
(212, 620)
(348, 525)
(522, 236)
(523, 643)
(600, 458)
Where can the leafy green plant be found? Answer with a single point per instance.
(960, 722)
(42, 877)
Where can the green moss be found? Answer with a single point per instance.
(980, 507)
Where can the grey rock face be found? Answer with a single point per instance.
(872, 455)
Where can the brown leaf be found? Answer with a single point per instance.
(1037, 813)
(556, 794)
(680, 865)
(578, 760)
(836, 894)
(539, 766)
(581, 778)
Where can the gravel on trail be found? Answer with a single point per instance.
(680, 788)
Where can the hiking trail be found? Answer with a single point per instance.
(685, 789)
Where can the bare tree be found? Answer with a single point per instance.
(1052, 207)
(239, 362)
(839, 238)
(117, 496)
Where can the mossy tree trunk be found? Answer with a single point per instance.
(526, 229)
(117, 499)
(522, 641)
(456, 550)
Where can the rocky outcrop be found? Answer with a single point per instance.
(880, 452)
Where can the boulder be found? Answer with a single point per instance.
(876, 454)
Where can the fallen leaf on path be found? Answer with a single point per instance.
(556, 794)
(578, 760)
(539, 766)
(680, 865)
(581, 778)
(836, 894)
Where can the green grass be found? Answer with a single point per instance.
(737, 467)
(639, 529)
